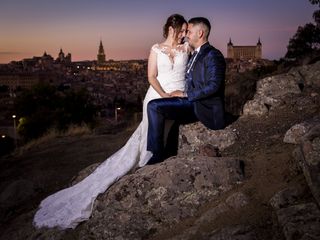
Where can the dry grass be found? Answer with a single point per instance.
(73, 130)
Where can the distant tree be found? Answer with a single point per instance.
(6, 145)
(75, 108)
(315, 2)
(4, 88)
(316, 17)
(44, 107)
(307, 38)
(316, 14)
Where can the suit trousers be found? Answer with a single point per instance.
(159, 110)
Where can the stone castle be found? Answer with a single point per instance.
(244, 52)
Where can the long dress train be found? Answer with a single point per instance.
(70, 206)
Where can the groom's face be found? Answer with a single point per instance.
(192, 35)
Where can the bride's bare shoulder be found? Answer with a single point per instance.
(161, 45)
(155, 47)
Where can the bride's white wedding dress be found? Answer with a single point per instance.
(70, 206)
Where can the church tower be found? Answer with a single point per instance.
(61, 56)
(101, 57)
(230, 53)
(259, 50)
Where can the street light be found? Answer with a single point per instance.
(14, 130)
(116, 113)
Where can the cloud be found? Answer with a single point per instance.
(9, 53)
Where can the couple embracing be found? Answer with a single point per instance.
(186, 85)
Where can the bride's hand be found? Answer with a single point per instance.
(177, 93)
(166, 95)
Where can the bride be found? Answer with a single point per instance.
(166, 73)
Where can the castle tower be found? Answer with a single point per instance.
(101, 57)
(230, 53)
(258, 53)
(61, 55)
(68, 58)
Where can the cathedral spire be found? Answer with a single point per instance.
(259, 42)
(101, 57)
(101, 50)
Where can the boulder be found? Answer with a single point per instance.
(270, 93)
(239, 232)
(84, 173)
(289, 196)
(276, 90)
(193, 137)
(309, 74)
(237, 200)
(155, 197)
(255, 108)
(234, 202)
(308, 155)
(295, 134)
(300, 221)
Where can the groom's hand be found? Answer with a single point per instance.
(177, 93)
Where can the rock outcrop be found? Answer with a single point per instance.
(156, 197)
(297, 215)
(194, 137)
(296, 133)
(272, 91)
(308, 155)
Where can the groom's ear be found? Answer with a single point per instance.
(200, 33)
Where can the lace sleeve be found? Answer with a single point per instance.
(156, 48)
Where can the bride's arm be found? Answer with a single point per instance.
(152, 74)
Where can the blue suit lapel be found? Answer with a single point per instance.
(191, 73)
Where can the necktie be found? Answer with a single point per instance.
(190, 63)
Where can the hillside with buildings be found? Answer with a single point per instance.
(112, 85)
(117, 88)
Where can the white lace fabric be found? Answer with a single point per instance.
(70, 206)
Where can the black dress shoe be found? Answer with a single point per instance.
(156, 158)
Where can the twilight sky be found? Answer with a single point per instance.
(128, 28)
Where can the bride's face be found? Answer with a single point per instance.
(182, 33)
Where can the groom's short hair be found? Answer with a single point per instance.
(204, 22)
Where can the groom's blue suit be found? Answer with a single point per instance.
(205, 90)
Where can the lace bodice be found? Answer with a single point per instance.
(171, 64)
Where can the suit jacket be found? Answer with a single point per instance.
(205, 86)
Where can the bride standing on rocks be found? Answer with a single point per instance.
(166, 73)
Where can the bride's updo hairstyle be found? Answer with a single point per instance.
(175, 21)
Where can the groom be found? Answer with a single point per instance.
(203, 98)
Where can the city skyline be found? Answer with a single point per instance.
(129, 28)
